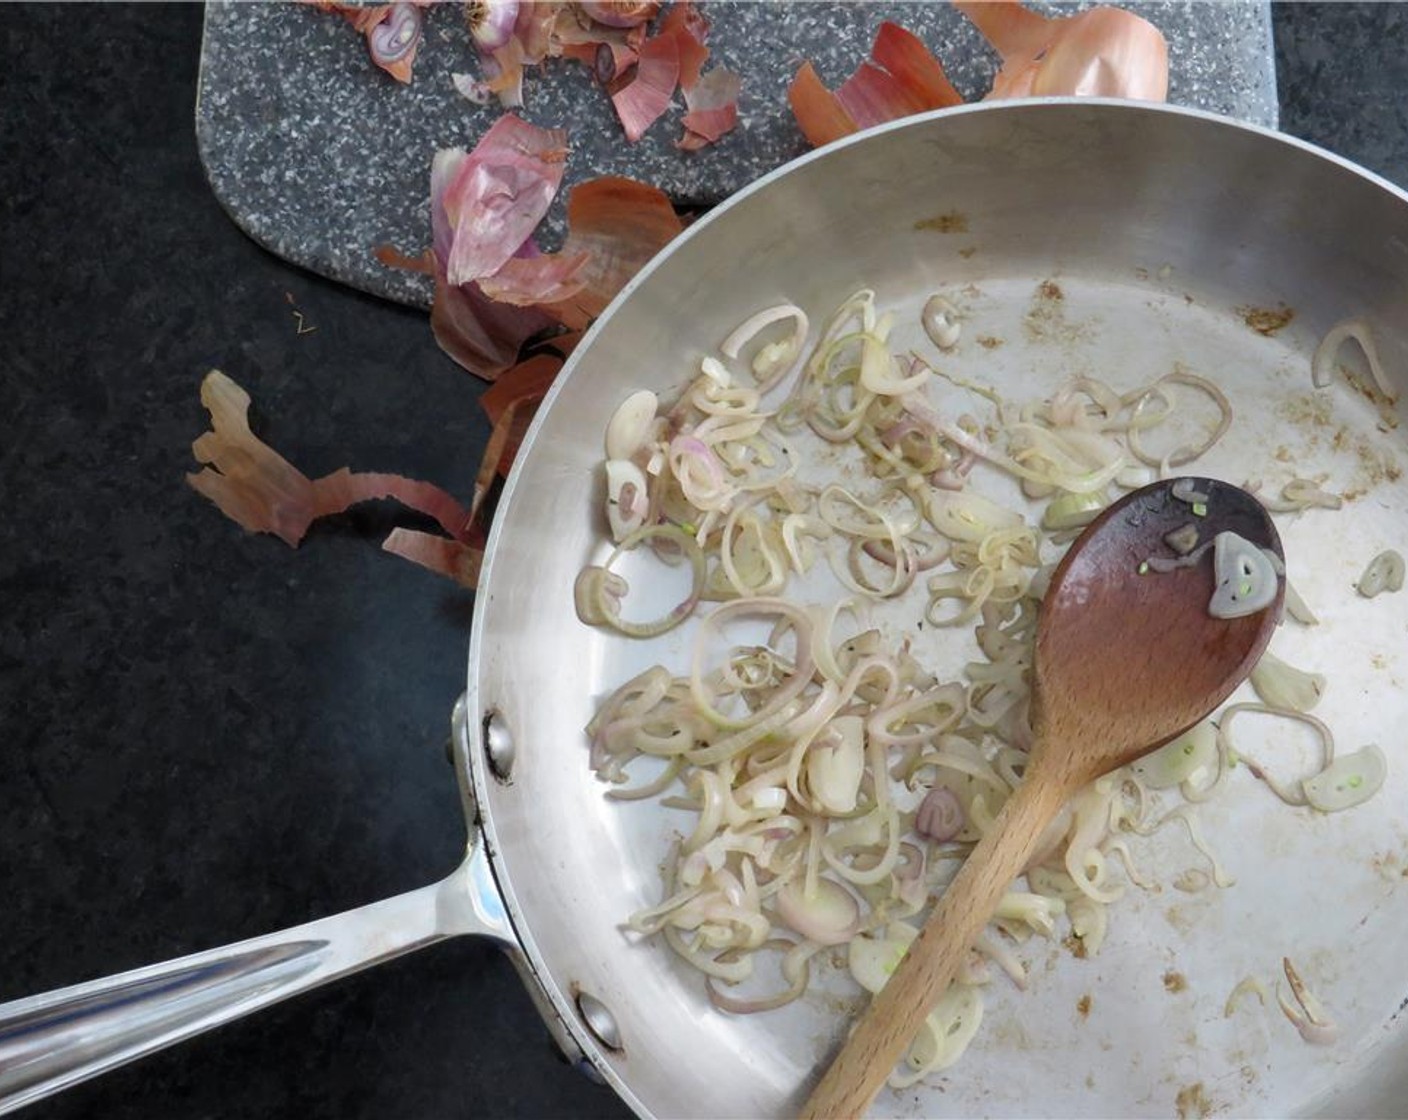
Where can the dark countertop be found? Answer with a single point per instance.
(207, 735)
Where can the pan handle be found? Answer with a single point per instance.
(51, 1041)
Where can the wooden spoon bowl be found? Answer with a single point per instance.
(1126, 659)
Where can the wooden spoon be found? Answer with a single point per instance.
(1124, 662)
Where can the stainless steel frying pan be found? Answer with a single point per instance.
(1172, 238)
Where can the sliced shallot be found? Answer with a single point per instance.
(774, 359)
(828, 915)
(630, 424)
(1384, 573)
(940, 817)
(627, 497)
(941, 323)
(1348, 781)
(1327, 355)
(1284, 686)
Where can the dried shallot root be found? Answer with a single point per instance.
(263, 492)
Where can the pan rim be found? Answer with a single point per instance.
(483, 782)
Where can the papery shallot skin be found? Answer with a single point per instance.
(712, 105)
(490, 201)
(1101, 52)
(263, 492)
(514, 293)
(643, 99)
(901, 77)
(513, 173)
(620, 13)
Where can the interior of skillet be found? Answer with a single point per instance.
(1078, 239)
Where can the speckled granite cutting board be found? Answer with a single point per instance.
(319, 156)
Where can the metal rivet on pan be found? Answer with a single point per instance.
(498, 746)
(599, 1020)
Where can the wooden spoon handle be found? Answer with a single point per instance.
(895, 1015)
